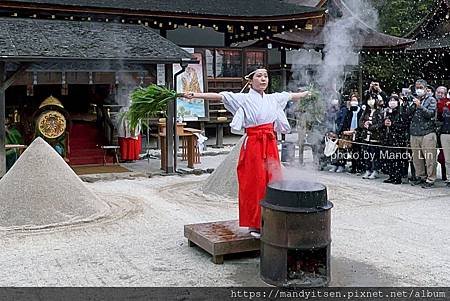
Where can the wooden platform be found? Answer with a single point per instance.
(221, 238)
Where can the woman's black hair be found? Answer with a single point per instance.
(394, 97)
(251, 71)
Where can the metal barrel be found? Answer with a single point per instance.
(296, 234)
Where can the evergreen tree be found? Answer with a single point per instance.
(397, 17)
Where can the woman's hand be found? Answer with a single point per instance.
(188, 95)
(304, 94)
(348, 132)
(299, 95)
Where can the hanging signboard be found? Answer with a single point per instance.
(191, 80)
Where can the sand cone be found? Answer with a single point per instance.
(41, 190)
(223, 181)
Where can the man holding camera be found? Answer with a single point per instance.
(423, 135)
(375, 92)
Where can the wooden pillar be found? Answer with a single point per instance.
(170, 124)
(170, 134)
(283, 70)
(219, 134)
(2, 119)
(169, 76)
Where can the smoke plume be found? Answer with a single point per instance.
(340, 34)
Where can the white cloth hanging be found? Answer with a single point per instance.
(330, 146)
(201, 142)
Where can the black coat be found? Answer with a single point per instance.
(407, 109)
(395, 135)
(374, 130)
(340, 116)
(347, 122)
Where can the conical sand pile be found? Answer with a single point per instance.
(41, 190)
(223, 181)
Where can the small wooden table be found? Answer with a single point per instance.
(190, 144)
(192, 130)
(221, 238)
(114, 148)
(196, 149)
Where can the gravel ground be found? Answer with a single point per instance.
(383, 235)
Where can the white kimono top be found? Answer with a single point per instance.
(251, 109)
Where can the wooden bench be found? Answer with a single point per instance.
(221, 238)
(112, 148)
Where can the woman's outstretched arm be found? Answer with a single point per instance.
(299, 95)
(208, 96)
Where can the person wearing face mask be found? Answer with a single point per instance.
(408, 109)
(423, 136)
(374, 92)
(443, 117)
(349, 131)
(393, 130)
(370, 125)
(338, 113)
(261, 115)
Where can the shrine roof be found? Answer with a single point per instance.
(229, 8)
(31, 39)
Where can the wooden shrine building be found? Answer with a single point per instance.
(310, 42)
(82, 65)
(84, 57)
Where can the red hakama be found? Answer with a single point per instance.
(130, 148)
(258, 164)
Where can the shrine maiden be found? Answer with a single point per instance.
(261, 115)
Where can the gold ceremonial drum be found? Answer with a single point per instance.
(51, 124)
